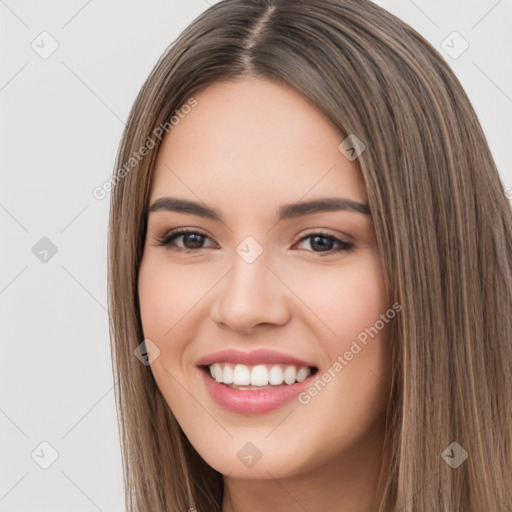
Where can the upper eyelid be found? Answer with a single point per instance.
(184, 231)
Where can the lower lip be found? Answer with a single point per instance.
(253, 401)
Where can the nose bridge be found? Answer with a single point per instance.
(250, 294)
(248, 283)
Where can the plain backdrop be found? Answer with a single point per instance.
(61, 119)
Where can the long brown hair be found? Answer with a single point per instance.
(443, 226)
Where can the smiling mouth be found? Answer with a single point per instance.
(257, 377)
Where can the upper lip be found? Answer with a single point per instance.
(260, 356)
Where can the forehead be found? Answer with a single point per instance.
(253, 141)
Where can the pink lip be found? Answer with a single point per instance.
(260, 356)
(253, 401)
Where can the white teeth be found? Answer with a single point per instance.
(290, 374)
(303, 373)
(258, 375)
(276, 376)
(228, 374)
(241, 375)
(217, 372)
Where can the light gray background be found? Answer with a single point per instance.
(60, 124)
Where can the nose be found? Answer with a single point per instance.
(251, 295)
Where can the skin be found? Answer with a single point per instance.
(247, 148)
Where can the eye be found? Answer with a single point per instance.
(324, 242)
(193, 242)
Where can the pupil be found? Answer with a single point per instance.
(195, 243)
(322, 246)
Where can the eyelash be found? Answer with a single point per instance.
(169, 237)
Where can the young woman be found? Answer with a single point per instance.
(310, 272)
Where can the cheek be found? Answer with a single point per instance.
(162, 304)
(348, 299)
(363, 298)
(166, 297)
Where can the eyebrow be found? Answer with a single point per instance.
(286, 211)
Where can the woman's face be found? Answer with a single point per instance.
(265, 287)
